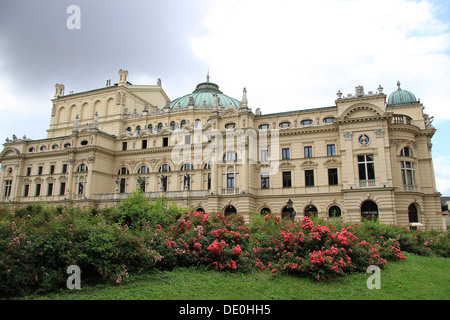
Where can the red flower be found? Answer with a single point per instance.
(237, 250)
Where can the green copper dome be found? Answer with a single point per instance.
(204, 95)
(401, 97)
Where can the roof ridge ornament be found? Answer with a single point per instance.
(398, 85)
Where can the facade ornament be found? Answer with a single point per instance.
(359, 91)
(339, 94)
(95, 123)
(379, 133)
(123, 76)
(59, 90)
(243, 105)
(380, 89)
(158, 82)
(348, 135)
(76, 125)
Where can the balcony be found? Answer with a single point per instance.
(401, 119)
(230, 191)
(366, 183)
(410, 188)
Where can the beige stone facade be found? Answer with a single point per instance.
(367, 156)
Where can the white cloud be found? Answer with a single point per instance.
(442, 174)
(297, 54)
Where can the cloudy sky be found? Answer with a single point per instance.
(289, 54)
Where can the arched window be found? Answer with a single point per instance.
(200, 209)
(264, 126)
(143, 169)
(413, 215)
(55, 146)
(334, 212)
(164, 168)
(406, 152)
(197, 123)
(187, 166)
(328, 120)
(159, 128)
(123, 171)
(369, 210)
(264, 211)
(285, 124)
(306, 122)
(138, 130)
(82, 168)
(172, 125)
(182, 123)
(150, 128)
(207, 165)
(230, 125)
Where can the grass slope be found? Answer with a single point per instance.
(417, 278)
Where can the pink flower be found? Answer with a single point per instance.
(237, 250)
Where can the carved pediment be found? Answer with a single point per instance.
(308, 163)
(331, 162)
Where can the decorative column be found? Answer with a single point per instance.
(90, 179)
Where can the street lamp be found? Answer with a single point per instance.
(289, 203)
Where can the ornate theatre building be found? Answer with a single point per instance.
(368, 156)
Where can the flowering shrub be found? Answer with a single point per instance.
(38, 244)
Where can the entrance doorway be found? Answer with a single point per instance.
(369, 210)
(229, 210)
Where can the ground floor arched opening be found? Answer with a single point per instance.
(229, 210)
(310, 211)
(287, 213)
(369, 210)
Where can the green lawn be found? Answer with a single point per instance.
(417, 278)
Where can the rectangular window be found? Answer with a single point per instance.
(264, 181)
(309, 178)
(163, 181)
(122, 185)
(308, 152)
(285, 153)
(165, 142)
(8, 185)
(187, 139)
(332, 177)
(366, 167)
(407, 173)
(287, 182)
(230, 180)
(38, 190)
(124, 146)
(52, 169)
(331, 150)
(141, 183)
(26, 190)
(209, 180)
(264, 155)
(28, 171)
(40, 170)
(64, 168)
(62, 189)
(50, 189)
(144, 144)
